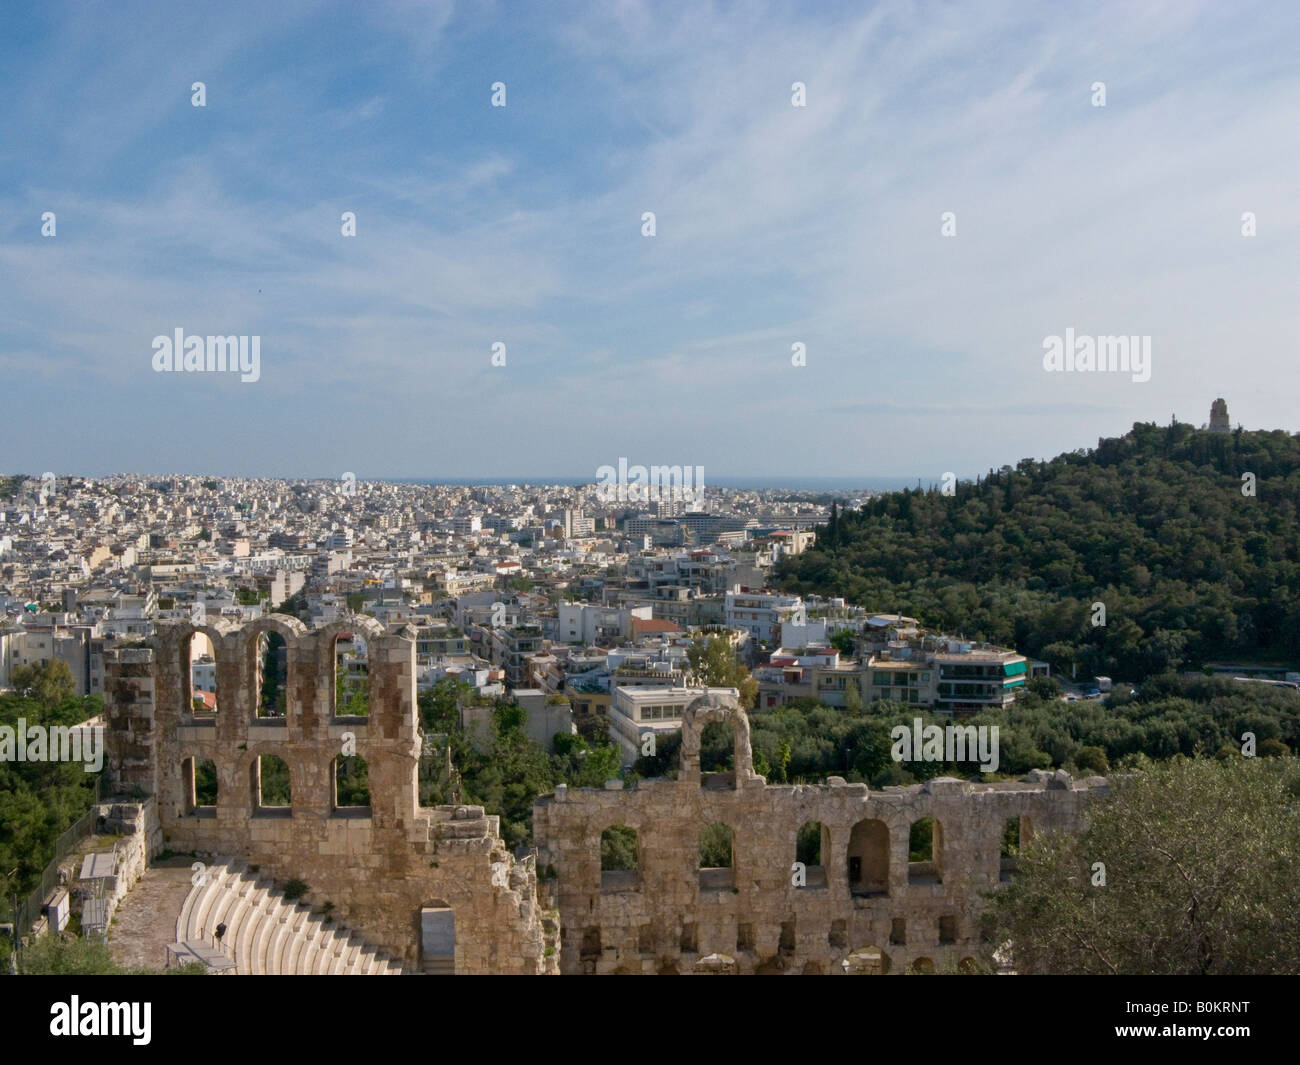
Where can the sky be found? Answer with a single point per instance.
(774, 225)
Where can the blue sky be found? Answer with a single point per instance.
(775, 225)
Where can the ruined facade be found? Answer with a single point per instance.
(386, 867)
(437, 888)
(864, 908)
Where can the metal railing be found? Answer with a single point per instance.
(29, 910)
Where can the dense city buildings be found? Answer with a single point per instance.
(507, 588)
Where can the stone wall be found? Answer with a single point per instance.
(379, 865)
(669, 916)
(140, 839)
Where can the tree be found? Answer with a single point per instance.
(852, 697)
(618, 849)
(1199, 859)
(714, 665)
(842, 639)
(49, 683)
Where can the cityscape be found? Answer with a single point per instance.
(637, 489)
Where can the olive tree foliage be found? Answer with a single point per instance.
(1188, 867)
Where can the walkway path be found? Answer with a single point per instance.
(145, 922)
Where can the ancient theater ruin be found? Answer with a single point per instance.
(435, 890)
(862, 907)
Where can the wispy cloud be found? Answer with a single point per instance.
(775, 224)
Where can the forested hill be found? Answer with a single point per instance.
(1153, 524)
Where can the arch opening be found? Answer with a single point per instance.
(618, 859)
(351, 785)
(351, 676)
(272, 665)
(869, 859)
(925, 852)
(717, 871)
(812, 846)
(270, 786)
(201, 670)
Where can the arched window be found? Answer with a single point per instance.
(351, 676)
(272, 672)
(199, 787)
(270, 786)
(925, 852)
(718, 755)
(1009, 856)
(717, 872)
(202, 671)
(869, 858)
(812, 847)
(351, 784)
(618, 859)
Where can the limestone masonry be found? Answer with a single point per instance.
(430, 885)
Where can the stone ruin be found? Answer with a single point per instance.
(404, 876)
(437, 888)
(864, 908)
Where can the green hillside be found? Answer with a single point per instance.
(1153, 524)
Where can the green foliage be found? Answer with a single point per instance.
(49, 684)
(1011, 837)
(808, 844)
(1170, 715)
(714, 664)
(275, 781)
(247, 596)
(205, 782)
(438, 705)
(272, 702)
(920, 841)
(663, 763)
(1152, 524)
(351, 695)
(69, 955)
(295, 889)
(1200, 861)
(567, 743)
(507, 779)
(618, 849)
(57, 955)
(1092, 760)
(715, 847)
(842, 639)
(351, 781)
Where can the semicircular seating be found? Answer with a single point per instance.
(267, 934)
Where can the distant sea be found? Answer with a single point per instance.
(773, 483)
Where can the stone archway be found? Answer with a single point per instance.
(715, 706)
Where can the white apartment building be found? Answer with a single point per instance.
(586, 624)
(635, 712)
(762, 614)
